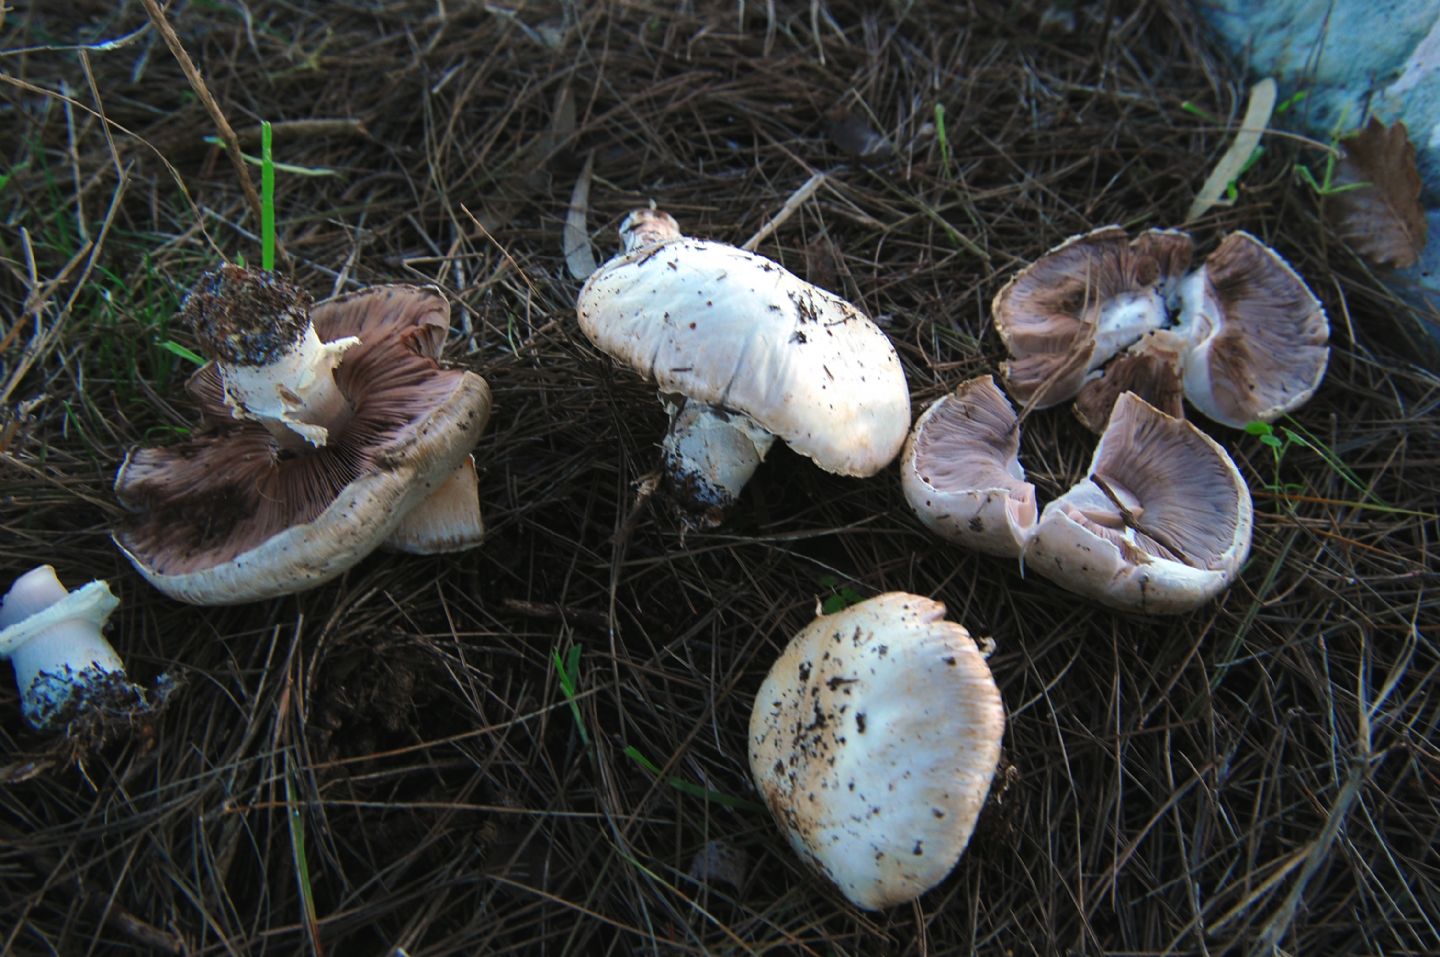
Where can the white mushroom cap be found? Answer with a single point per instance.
(736, 331)
(961, 471)
(873, 740)
(1258, 336)
(1162, 524)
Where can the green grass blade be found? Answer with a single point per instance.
(267, 200)
(170, 345)
(686, 787)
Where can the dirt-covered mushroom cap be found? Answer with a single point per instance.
(873, 740)
(1161, 525)
(758, 350)
(1069, 312)
(961, 471)
(1258, 336)
(236, 513)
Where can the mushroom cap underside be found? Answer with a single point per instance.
(1081, 303)
(961, 471)
(873, 740)
(226, 516)
(1162, 524)
(734, 330)
(1260, 337)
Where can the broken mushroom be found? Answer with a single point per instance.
(743, 351)
(961, 471)
(1258, 338)
(327, 427)
(63, 664)
(1068, 313)
(873, 740)
(1241, 337)
(1161, 525)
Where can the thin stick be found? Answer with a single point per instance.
(197, 83)
(806, 190)
(267, 200)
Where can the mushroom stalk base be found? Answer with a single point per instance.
(709, 454)
(295, 396)
(63, 664)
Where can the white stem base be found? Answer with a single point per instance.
(295, 395)
(709, 454)
(52, 637)
(447, 521)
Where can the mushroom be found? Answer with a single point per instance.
(743, 351)
(1241, 337)
(1068, 313)
(1258, 337)
(63, 664)
(961, 471)
(873, 740)
(326, 429)
(1161, 525)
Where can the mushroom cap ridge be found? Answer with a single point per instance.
(873, 740)
(737, 331)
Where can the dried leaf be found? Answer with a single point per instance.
(1384, 220)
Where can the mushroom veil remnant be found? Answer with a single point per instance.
(1161, 525)
(327, 427)
(743, 351)
(1241, 337)
(873, 740)
(63, 664)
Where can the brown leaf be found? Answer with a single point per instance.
(1384, 220)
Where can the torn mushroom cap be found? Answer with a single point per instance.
(1162, 524)
(1258, 336)
(1151, 368)
(63, 664)
(873, 740)
(1070, 311)
(228, 516)
(961, 471)
(737, 333)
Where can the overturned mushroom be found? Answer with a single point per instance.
(961, 471)
(873, 740)
(743, 351)
(64, 667)
(1065, 315)
(1257, 335)
(1161, 525)
(1241, 336)
(324, 435)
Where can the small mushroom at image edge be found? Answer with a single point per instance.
(64, 667)
(743, 351)
(961, 471)
(326, 428)
(1161, 525)
(874, 739)
(1241, 337)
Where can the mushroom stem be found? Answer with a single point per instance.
(52, 637)
(709, 454)
(293, 395)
